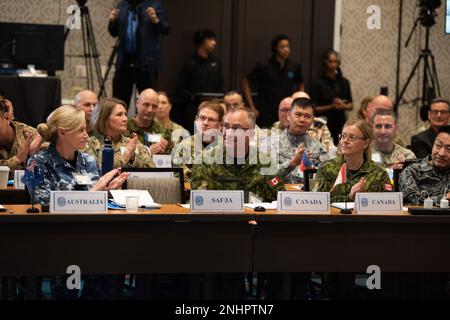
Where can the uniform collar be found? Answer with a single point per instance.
(59, 161)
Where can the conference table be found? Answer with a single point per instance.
(173, 240)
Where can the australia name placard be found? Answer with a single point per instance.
(378, 202)
(79, 202)
(303, 202)
(222, 201)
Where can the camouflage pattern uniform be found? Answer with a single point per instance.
(155, 128)
(376, 177)
(388, 159)
(224, 176)
(184, 154)
(321, 134)
(287, 144)
(424, 176)
(142, 158)
(57, 173)
(8, 157)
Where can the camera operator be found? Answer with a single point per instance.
(137, 23)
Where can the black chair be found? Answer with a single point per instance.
(14, 196)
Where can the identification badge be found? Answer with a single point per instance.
(153, 138)
(82, 179)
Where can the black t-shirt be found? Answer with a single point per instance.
(274, 83)
(323, 92)
(200, 75)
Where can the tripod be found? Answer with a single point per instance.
(430, 79)
(90, 52)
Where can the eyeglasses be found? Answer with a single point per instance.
(284, 111)
(436, 112)
(350, 138)
(203, 119)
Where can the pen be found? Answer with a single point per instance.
(179, 205)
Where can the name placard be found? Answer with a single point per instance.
(378, 202)
(18, 175)
(222, 201)
(303, 202)
(79, 202)
(162, 160)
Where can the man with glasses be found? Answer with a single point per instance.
(438, 116)
(208, 126)
(86, 100)
(149, 132)
(294, 141)
(384, 148)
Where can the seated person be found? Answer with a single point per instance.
(363, 175)
(237, 167)
(163, 113)
(18, 141)
(438, 116)
(149, 131)
(207, 121)
(294, 141)
(233, 99)
(66, 131)
(319, 129)
(384, 149)
(109, 119)
(86, 100)
(431, 174)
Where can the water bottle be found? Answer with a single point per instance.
(107, 156)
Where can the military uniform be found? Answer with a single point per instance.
(142, 158)
(376, 177)
(8, 157)
(388, 159)
(320, 132)
(58, 173)
(287, 144)
(225, 176)
(422, 176)
(155, 128)
(184, 154)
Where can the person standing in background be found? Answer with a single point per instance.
(137, 23)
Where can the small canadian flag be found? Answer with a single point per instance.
(388, 187)
(274, 181)
(342, 176)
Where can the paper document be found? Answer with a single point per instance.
(145, 199)
(341, 205)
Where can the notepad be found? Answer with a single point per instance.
(342, 205)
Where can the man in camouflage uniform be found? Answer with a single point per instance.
(207, 126)
(17, 141)
(150, 132)
(384, 149)
(430, 175)
(294, 141)
(232, 168)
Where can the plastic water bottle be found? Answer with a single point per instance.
(107, 156)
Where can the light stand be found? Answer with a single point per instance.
(90, 52)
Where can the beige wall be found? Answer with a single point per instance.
(369, 56)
